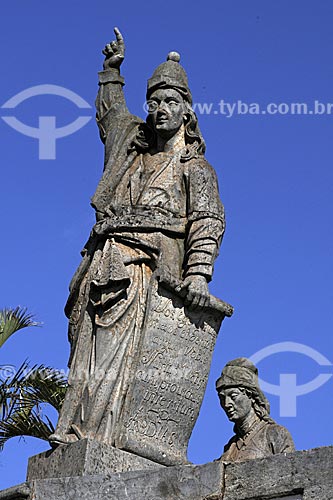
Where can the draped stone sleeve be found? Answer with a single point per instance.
(117, 128)
(110, 102)
(206, 219)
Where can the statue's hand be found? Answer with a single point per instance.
(197, 293)
(114, 51)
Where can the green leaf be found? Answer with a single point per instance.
(22, 423)
(12, 320)
(22, 397)
(43, 384)
(11, 389)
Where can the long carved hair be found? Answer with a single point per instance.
(260, 405)
(195, 144)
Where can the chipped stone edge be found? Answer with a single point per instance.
(16, 492)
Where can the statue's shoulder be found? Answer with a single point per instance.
(201, 172)
(227, 446)
(124, 131)
(198, 163)
(274, 428)
(129, 124)
(279, 437)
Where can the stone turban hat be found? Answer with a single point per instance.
(170, 74)
(241, 372)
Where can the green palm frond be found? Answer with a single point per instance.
(23, 392)
(24, 423)
(11, 389)
(21, 398)
(4, 401)
(12, 320)
(43, 384)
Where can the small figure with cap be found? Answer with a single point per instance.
(257, 435)
(158, 214)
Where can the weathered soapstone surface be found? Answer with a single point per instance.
(302, 475)
(257, 435)
(293, 497)
(165, 397)
(83, 458)
(16, 492)
(139, 357)
(170, 378)
(170, 483)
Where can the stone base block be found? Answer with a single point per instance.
(185, 482)
(303, 475)
(83, 458)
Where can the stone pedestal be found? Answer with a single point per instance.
(85, 458)
(303, 475)
(171, 483)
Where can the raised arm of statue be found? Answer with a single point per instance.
(110, 101)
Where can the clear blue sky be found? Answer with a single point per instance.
(275, 174)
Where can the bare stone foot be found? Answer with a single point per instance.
(58, 439)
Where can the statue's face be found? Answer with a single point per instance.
(166, 109)
(235, 403)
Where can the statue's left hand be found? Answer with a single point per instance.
(197, 293)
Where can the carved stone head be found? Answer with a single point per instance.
(239, 391)
(169, 103)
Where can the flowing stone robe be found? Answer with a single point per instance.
(157, 213)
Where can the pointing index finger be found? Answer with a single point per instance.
(119, 36)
